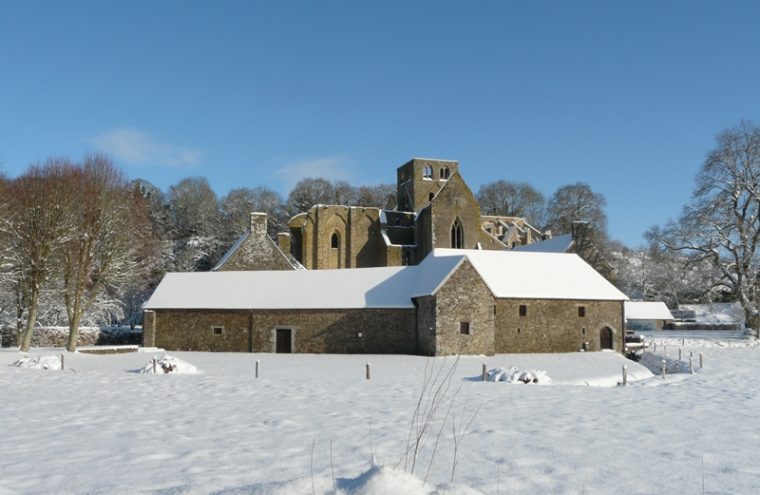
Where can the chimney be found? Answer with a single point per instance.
(283, 242)
(258, 224)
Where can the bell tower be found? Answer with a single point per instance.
(419, 180)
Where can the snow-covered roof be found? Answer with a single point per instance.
(559, 244)
(508, 274)
(642, 310)
(298, 289)
(521, 275)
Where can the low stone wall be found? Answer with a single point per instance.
(57, 336)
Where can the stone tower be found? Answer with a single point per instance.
(419, 180)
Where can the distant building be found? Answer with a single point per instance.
(454, 302)
(641, 315)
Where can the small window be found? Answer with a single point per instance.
(581, 311)
(523, 310)
(518, 331)
(583, 330)
(431, 196)
(464, 327)
(494, 310)
(427, 172)
(217, 330)
(334, 242)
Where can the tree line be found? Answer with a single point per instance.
(80, 243)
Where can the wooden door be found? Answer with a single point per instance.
(284, 340)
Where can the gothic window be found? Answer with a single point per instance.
(334, 241)
(457, 235)
(427, 172)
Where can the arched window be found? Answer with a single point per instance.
(335, 241)
(457, 235)
(427, 172)
(444, 173)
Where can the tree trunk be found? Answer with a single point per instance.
(26, 336)
(71, 343)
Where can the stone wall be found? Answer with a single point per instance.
(555, 325)
(454, 201)
(257, 251)
(464, 300)
(192, 330)
(371, 331)
(314, 331)
(357, 230)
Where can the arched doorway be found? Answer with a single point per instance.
(605, 338)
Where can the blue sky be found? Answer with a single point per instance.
(626, 96)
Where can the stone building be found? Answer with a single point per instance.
(453, 302)
(255, 250)
(435, 209)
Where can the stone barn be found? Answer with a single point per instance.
(454, 302)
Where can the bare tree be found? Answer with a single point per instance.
(310, 192)
(34, 226)
(721, 224)
(516, 199)
(577, 203)
(344, 193)
(239, 203)
(103, 252)
(194, 207)
(379, 196)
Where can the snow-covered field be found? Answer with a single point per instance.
(313, 424)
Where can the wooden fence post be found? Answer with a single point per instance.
(154, 365)
(701, 360)
(691, 366)
(625, 375)
(483, 373)
(663, 369)
(257, 368)
(679, 353)
(367, 371)
(61, 362)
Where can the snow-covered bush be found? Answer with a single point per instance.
(514, 375)
(167, 364)
(38, 362)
